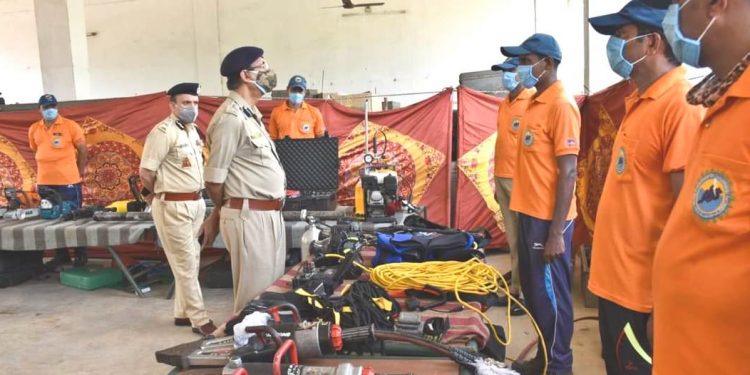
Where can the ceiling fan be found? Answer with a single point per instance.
(348, 4)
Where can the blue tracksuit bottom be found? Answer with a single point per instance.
(546, 288)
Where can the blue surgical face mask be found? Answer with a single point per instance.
(296, 98)
(526, 75)
(687, 50)
(49, 114)
(509, 81)
(616, 56)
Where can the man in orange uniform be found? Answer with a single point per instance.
(702, 263)
(295, 118)
(648, 160)
(506, 148)
(544, 183)
(60, 151)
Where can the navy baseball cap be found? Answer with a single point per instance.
(297, 81)
(47, 99)
(239, 59)
(509, 64)
(540, 44)
(634, 12)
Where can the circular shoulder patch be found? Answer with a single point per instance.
(515, 124)
(621, 163)
(713, 196)
(528, 138)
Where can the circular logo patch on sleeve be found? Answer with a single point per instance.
(713, 196)
(621, 162)
(528, 138)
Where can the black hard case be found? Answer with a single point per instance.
(312, 167)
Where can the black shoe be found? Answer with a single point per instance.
(182, 322)
(61, 257)
(207, 330)
(82, 258)
(516, 310)
(534, 366)
(507, 276)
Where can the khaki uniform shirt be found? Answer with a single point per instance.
(241, 153)
(176, 155)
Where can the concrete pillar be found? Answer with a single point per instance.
(207, 51)
(63, 50)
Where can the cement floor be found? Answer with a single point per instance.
(50, 328)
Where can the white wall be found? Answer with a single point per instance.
(145, 46)
(20, 72)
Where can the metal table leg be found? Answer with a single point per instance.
(125, 271)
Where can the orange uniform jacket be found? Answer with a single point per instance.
(702, 266)
(654, 140)
(55, 151)
(550, 128)
(508, 125)
(305, 122)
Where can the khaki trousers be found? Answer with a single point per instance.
(178, 224)
(503, 188)
(256, 241)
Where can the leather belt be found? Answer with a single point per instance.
(255, 204)
(194, 196)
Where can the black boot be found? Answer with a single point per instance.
(61, 257)
(534, 366)
(82, 257)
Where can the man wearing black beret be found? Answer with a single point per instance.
(244, 178)
(172, 175)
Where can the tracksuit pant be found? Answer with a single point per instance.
(546, 289)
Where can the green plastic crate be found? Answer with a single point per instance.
(90, 277)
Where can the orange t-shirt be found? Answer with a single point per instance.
(55, 151)
(305, 122)
(701, 268)
(654, 140)
(508, 124)
(550, 128)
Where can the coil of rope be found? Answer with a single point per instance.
(469, 277)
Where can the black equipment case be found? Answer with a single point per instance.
(312, 168)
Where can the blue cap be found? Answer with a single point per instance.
(47, 99)
(634, 12)
(509, 64)
(239, 59)
(297, 81)
(540, 44)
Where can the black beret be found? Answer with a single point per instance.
(239, 59)
(184, 88)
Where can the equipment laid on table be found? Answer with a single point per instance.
(25, 207)
(53, 206)
(376, 193)
(22, 214)
(122, 216)
(405, 244)
(312, 172)
(137, 205)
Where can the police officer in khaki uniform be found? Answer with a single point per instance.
(245, 179)
(172, 168)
